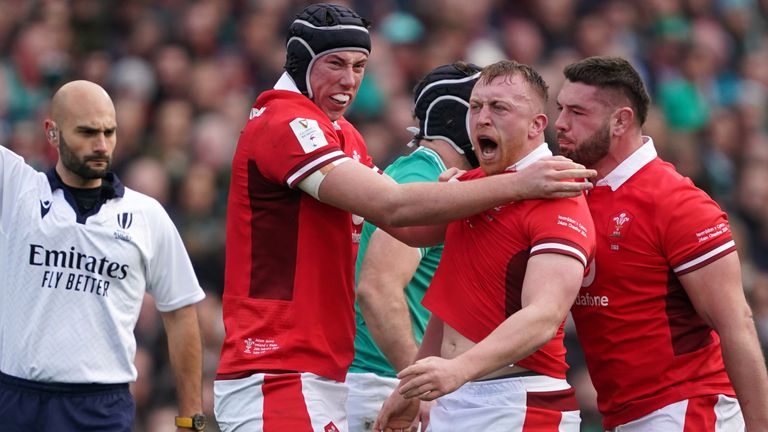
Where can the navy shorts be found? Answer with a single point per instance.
(29, 406)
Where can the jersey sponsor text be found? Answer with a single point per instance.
(591, 300)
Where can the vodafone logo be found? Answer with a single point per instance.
(587, 299)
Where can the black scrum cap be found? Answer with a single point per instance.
(320, 29)
(442, 106)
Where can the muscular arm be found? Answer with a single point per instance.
(351, 186)
(387, 268)
(185, 352)
(716, 292)
(546, 298)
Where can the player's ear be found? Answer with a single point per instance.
(621, 120)
(52, 133)
(537, 126)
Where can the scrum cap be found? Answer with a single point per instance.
(442, 106)
(321, 29)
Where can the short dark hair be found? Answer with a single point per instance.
(510, 68)
(613, 73)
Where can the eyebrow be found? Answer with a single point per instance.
(88, 129)
(572, 106)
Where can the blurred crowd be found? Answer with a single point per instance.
(184, 73)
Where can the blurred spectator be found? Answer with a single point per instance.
(183, 74)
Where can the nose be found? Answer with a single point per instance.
(101, 143)
(347, 78)
(560, 123)
(481, 116)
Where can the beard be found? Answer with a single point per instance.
(591, 150)
(80, 166)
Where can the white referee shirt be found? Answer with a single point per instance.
(71, 285)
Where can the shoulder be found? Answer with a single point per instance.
(422, 164)
(667, 187)
(283, 111)
(142, 202)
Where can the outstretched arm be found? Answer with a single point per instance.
(717, 294)
(185, 353)
(354, 187)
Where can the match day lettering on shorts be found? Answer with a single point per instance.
(309, 134)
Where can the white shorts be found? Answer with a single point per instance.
(520, 404)
(716, 413)
(367, 392)
(296, 402)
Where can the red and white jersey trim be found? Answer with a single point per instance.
(706, 258)
(311, 166)
(561, 249)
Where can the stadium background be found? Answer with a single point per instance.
(184, 73)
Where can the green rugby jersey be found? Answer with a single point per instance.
(422, 165)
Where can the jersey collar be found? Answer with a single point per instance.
(627, 168)
(113, 188)
(286, 83)
(56, 183)
(537, 153)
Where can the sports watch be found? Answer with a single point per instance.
(196, 422)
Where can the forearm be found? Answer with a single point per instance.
(185, 354)
(418, 236)
(432, 342)
(389, 323)
(350, 186)
(746, 368)
(516, 338)
(440, 203)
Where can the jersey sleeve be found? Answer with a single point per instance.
(171, 279)
(562, 226)
(288, 150)
(16, 177)
(694, 230)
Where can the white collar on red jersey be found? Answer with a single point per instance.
(537, 153)
(286, 83)
(629, 166)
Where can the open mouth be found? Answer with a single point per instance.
(487, 147)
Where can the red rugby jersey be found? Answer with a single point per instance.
(645, 345)
(289, 281)
(479, 280)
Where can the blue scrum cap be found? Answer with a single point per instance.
(442, 106)
(320, 29)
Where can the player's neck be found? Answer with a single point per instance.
(618, 152)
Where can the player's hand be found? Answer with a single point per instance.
(432, 377)
(451, 174)
(398, 415)
(546, 177)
